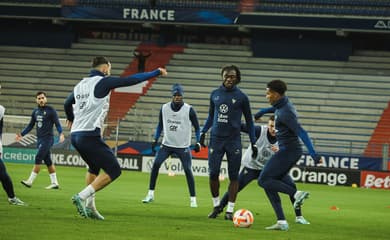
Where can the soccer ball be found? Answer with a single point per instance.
(243, 218)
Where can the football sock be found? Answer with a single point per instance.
(53, 178)
(32, 177)
(216, 201)
(230, 207)
(90, 202)
(86, 192)
(151, 193)
(282, 221)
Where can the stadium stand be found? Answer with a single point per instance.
(341, 103)
(328, 94)
(328, 7)
(189, 4)
(121, 101)
(26, 70)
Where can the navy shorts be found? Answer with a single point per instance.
(43, 154)
(97, 154)
(233, 149)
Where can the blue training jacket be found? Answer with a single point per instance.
(44, 118)
(226, 109)
(288, 129)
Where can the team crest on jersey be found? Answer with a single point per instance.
(216, 98)
(223, 108)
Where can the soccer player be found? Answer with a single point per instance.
(5, 179)
(267, 145)
(274, 177)
(86, 108)
(44, 117)
(175, 120)
(227, 105)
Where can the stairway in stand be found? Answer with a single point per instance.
(380, 136)
(122, 100)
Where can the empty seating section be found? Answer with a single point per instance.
(26, 70)
(52, 2)
(190, 4)
(339, 103)
(334, 7)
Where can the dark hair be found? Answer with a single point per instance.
(272, 117)
(277, 86)
(39, 93)
(99, 61)
(230, 68)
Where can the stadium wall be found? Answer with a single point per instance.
(35, 34)
(300, 45)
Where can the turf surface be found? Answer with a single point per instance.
(360, 213)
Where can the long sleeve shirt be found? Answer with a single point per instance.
(226, 109)
(44, 118)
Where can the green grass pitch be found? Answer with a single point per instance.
(362, 214)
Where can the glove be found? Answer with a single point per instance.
(154, 145)
(202, 137)
(258, 115)
(197, 147)
(317, 158)
(255, 151)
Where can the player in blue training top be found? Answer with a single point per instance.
(5, 179)
(267, 145)
(44, 117)
(274, 177)
(86, 109)
(175, 120)
(227, 105)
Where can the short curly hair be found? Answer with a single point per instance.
(231, 68)
(277, 86)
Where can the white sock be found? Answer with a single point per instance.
(282, 221)
(53, 178)
(193, 199)
(216, 201)
(230, 207)
(151, 193)
(32, 177)
(86, 192)
(90, 202)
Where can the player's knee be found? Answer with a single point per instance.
(115, 173)
(264, 182)
(260, 182)
(187, 169)
(48, 163)
(214, 176)
(233, 177)
(3, 172)
(156, 165)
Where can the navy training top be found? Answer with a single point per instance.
(226, 109)
(288, 129)
(44, 118)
